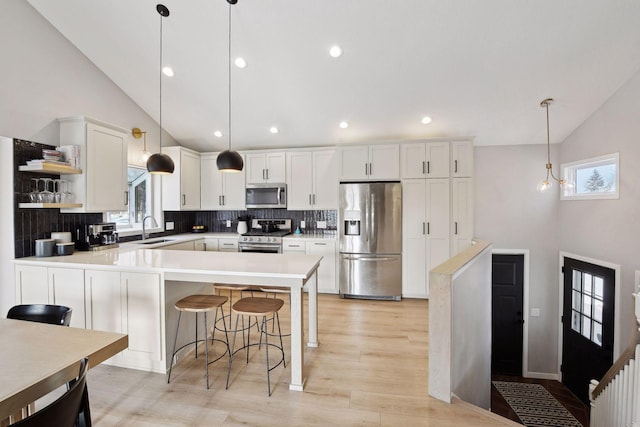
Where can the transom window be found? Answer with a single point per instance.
(595, 178)
(586, 305)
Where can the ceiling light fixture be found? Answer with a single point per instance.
(545, 184)
(168, 71)
(137, 134)
(160, 163)
(335, 51)
(240, 62)
(230, 161)
(344, 125)
(217, 134)
(274, 130)
(426, 120)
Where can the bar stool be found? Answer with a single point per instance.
(258, 307)
(229, 287)
(201, 304)
(275, 291)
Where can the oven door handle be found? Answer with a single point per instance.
(266, 248)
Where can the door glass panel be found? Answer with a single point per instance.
(577, 279)
(576, 304)
(586, 285)
(597, 333)
(597, 310)
(575, 321)
(598, 284)
(586, 306)
(586, 327)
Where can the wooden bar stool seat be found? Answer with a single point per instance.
(258, 307)
(201, 304)
(230, 288)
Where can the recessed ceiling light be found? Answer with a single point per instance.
(274, 129)
(344, 125)
(335, 51)
(218, 134)
(426, 120)
(240, 62)
(168, 71)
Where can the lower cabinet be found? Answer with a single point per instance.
(104, 300)
(327, 282)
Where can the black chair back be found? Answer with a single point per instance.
(43, 313)
(64, 411)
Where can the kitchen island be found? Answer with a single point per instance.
(133, 290)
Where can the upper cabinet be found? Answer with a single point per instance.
(265, 166)
(103, 157)
(220, 190)
(376, 162)
(462, 159)
(181, 189)
(312, 180)
(424, 160)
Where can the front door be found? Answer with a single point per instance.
(507, 280)
(587, 324)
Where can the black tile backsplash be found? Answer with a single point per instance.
(32, 224)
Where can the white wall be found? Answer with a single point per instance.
(511, 214)
(43, 77)
(609, 230)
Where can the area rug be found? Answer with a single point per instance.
(534, 405)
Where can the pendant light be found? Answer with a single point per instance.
(545, 184)
(159, 163)
(228, 160)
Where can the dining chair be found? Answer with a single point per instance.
(42, 313)
(65, 411)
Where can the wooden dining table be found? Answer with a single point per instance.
(37, 358)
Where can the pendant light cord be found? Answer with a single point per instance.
(161, 19)
(229, 76)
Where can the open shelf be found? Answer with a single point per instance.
(50, 168)
(49, 205)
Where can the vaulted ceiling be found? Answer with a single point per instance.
(477, 67)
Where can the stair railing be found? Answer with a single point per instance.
(615, 399)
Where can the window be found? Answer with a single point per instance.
(141, 201)
(587, 305)
(595, 178)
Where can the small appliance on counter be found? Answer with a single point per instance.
(95, 237)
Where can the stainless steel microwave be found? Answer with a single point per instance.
(266, 196)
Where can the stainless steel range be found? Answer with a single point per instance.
(265, 236)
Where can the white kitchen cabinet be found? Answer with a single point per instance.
(327, 281)
(326, 248)
(103, 184)
(220, 190)
(379, 162)
(461, 214)
(312, 180)
(269, 167)
(66, 287)
(181, 189)
(142, 311)
(424, 160)
(200, 245)
(31, 285)
(425, 232)
(211, 244)
(462, 159)
(104, 301)
(227, 244)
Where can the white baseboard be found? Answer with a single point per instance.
(542, 376)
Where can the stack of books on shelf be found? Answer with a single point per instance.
(71, 155)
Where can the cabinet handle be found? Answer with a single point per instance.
(184, 199)
(294, 246)
(267, 174)
(220, 200)
(366, 168)
(428, 228)
(223, 201)
(263, 176)
(314, 199)
(455, 166)
(423, 228)
(204, 245)
(455, 227)
(370, 169)
(310, 200)
(126, 198)
(428, 167)
(423, 167)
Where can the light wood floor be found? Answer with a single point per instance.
(370, 370)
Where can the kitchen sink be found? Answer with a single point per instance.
(153, 241)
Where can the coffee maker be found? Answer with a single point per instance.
(95, 237)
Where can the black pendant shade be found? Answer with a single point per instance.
(161, 164)
(230, 161)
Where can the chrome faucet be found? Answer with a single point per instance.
(155, 224)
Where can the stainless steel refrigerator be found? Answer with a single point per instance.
(370, 223)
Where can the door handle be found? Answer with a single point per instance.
(370, 259)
